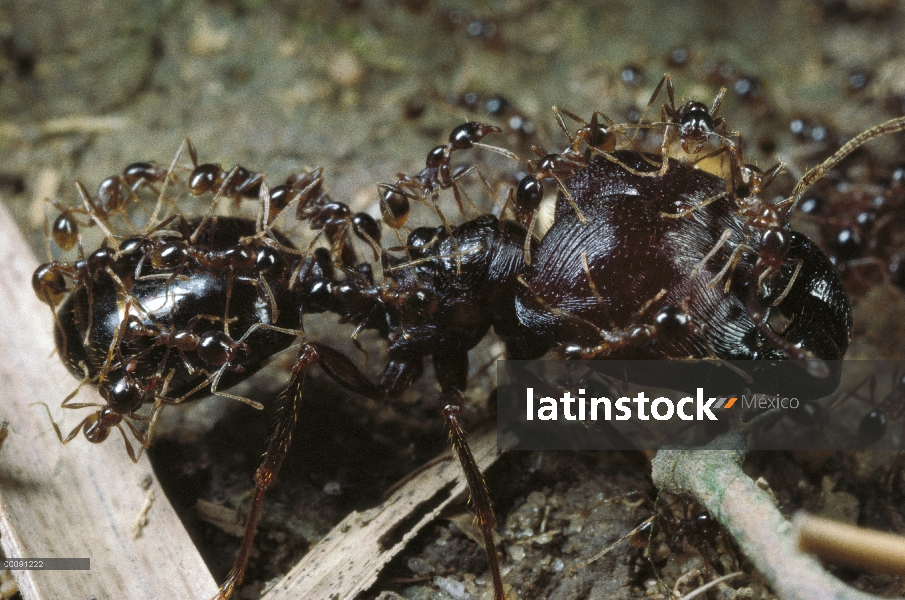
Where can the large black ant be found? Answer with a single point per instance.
(625, 270)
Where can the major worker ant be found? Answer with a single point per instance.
(625, 270)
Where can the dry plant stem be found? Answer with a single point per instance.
(846, 544)
(348, 560)
(715, 479)
(79, 500)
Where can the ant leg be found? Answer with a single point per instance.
(75, 430)
(129, 450)
(593, 286)
(477, 487)
(814, 365)
(717, 101)
(798, 264)
(86, 378)
(458, 194)
(277, 448)
(729, 268)
(95, 215)
(644, 528)
(161, 198)
(686, 212)
(342, 370)
(220, 194)
(448, 228)
(716, 247)
(572, 203)
(653, 98)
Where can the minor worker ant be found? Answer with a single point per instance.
(883, 409)
(620, 216)
(236, 184)
(694, 121)
(674, 526)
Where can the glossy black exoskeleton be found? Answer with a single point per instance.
(634, 283)
(155, 305)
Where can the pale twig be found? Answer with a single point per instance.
(715, 479)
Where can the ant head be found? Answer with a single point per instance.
(48, 283)
(696, 124)
(97, 426)
(753, 181)
(123, 394)
(216, 349)
(467, 135)
(695, 115)
(594, 133)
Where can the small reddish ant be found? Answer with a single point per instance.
(688, 529)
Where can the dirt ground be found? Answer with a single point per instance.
(365, 89)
